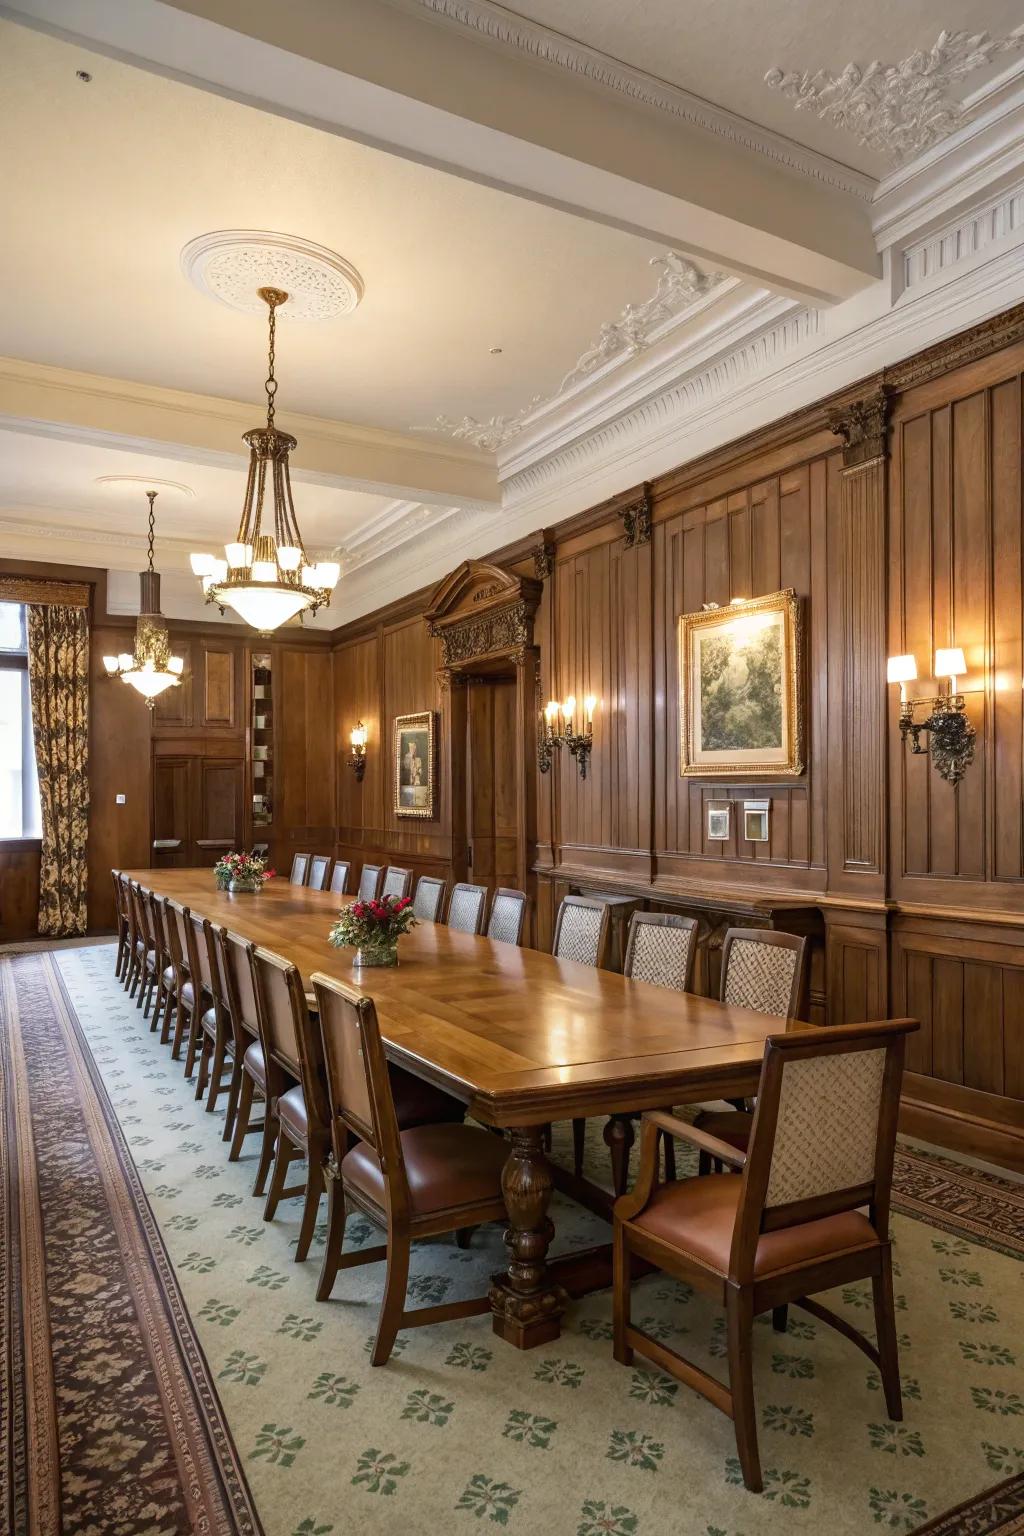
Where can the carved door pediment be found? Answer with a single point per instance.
(481, 611)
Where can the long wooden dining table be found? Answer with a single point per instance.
(523, 1039)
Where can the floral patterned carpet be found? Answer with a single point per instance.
(460, 1432)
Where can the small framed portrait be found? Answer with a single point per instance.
(719, 821)
(740, 695)
(414, 765)
(755, 820)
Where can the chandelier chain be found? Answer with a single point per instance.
(152, 523)
(271, 382)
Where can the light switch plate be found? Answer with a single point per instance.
(120, 799)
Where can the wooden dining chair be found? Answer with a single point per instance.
(339, 877)
(250, 1074)
(661, 948)
(291, 1043)
(370, 879)
(467, 907)
(319, 866)
(581, 931)
(763, 970)
(217, 1052)
(821, 1149)
(300, 869)
(121, 924)
(165, 996)
(130, 978)
(508, 914)
(397, 882)
(146, 975)
(181, 980)
(421, 1182)
(429, 899)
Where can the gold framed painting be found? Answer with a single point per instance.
(414, 765)
(741, 705)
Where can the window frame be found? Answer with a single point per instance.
(17, 661)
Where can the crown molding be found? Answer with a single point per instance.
(504, 28)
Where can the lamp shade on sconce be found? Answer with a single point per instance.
(950, 663)
(901, 669)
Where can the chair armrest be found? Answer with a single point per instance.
(683, 1131)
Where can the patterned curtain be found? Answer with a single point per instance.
(58, 669)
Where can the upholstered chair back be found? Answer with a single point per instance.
(429, 898)
(369, 881)
(397, 882)
(290, 1036)
(339, 877)
(508, 913)
(300, 869)
(466, 907)
(358, 1085)
(319, 864)
(237, 972)
(763, 970)
(581, 931)
(661, 949)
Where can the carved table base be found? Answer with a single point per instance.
(526, 1302)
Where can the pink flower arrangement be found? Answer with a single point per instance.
(247, 867)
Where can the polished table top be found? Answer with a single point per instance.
(522, 1037)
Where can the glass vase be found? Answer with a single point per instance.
(383, 952)
(223, 881)
(236, 887)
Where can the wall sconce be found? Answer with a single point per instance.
(951, 734)
(357, 757)
(578, 742)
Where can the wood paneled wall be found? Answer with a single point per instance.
(894, 511)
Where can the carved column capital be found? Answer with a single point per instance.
(636, 519)
(863, 426)
(544, 560)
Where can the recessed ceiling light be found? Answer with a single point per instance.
(231, 265)
(83, 75)
(147, 482)
(495, 351)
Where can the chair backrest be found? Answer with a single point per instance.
(661, 949)
(508, 914)
(157, 924)
(339, 877)
(763, 970)
(369, 881)
(289, 1035)
(429, 898)
(199, 952)
(237, 973)
(120, 910)
(824, 1130)
(466, 907)
(358, 1085)
(397, 882)
(319, 865)
(212, 933)
(130, 912)
(144, 919)
(176, 931)
(581, 930)
(300, 869)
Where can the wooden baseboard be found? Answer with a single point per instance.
(992, 1141)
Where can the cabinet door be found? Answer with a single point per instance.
(220, 665)
(221, 788)
(172, 811)
(173, 707)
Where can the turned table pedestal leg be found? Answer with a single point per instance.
(527, 1304)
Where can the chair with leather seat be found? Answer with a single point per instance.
(319, 865)
(508, 914)
(763, 970)
(121, 922)
(300, 869)
(397, 882)
(130, 979)
(180, 978)
(429, 898)
(420, 1182)
(165, 973)
(215, 1039)
(467, 907)
(660, 949)
(822, 1148)
(370, 879)
(148, 970)
(339, 877)
(250, 1077)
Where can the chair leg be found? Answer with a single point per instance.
(336, 1217)
(579, 1144)
(703, 1164)
(248, 1087)
(670, 1159)
(162, 1001)
(780, 1318)
(740, 1327)
(619, 1137)
(181, 1022)
(203, 1070)
(464, 1236)
(172, 1008)
(396, 1283)
(233, 1090)
(267, 1148)
(284, 1155)
(885, 1331)
(622, 1282)
(314, 1189)
(196, 1034)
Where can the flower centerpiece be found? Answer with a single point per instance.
(373, 929)
(242, 872)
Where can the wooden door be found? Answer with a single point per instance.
(491, 802)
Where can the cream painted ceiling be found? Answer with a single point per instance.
(104, 183)
(722, 51)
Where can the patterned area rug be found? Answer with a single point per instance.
(461, 1432)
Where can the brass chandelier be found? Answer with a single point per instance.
(151, 668)
(266, 576)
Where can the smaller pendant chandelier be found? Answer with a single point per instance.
(266, 576)
(152, 668)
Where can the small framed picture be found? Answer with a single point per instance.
(719, 820)
(414, 765)
(755, 820)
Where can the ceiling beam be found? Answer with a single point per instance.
(443, 96)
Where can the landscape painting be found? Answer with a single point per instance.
(740, 705)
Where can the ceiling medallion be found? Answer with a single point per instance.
(151, 668)
(132, 482)
(267, 577)
(232, 265)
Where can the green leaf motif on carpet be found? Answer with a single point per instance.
(469, 1357)
(896, 1439)
(897, 1511)
(993, 1401)
(635, 1449)
(600, 1519)
(334, 1391)
(482, 1496)
(425, 1407)
(986, 1354)
(221, 1312)
(910, 1385)
(228, 1201)
(304, 1329)
(597, 1328)
(309, 1527)
(960, 1277)
(798, 1367)
(787, 1488)
(789, 1420)
(953, 1247)
(429, 1289)
(183, 1223)
(247, 1370)
(561, 1373)
(1004, 1458)
(277, 1445)
(973, 1312)
(269, 1279)
(202, 1263)
(245, 1235)
(377, 1471)
(654, 1388)
(529, 1429)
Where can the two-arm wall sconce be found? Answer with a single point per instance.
(578, 742)
(357, 757)
(951, 734)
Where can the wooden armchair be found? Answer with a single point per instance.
(249, 1074)
(414, 1183)
(822, 1147)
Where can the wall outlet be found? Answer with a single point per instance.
(120, 799)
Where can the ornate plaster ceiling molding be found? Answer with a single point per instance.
(229, 265)
(135, 483)
(680, 286)
(389, 530)
(504, 27)
(898, 110)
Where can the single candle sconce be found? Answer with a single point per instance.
(579, 743)
(950, 734)
(357, 757)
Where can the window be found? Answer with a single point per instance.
(19, 787)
